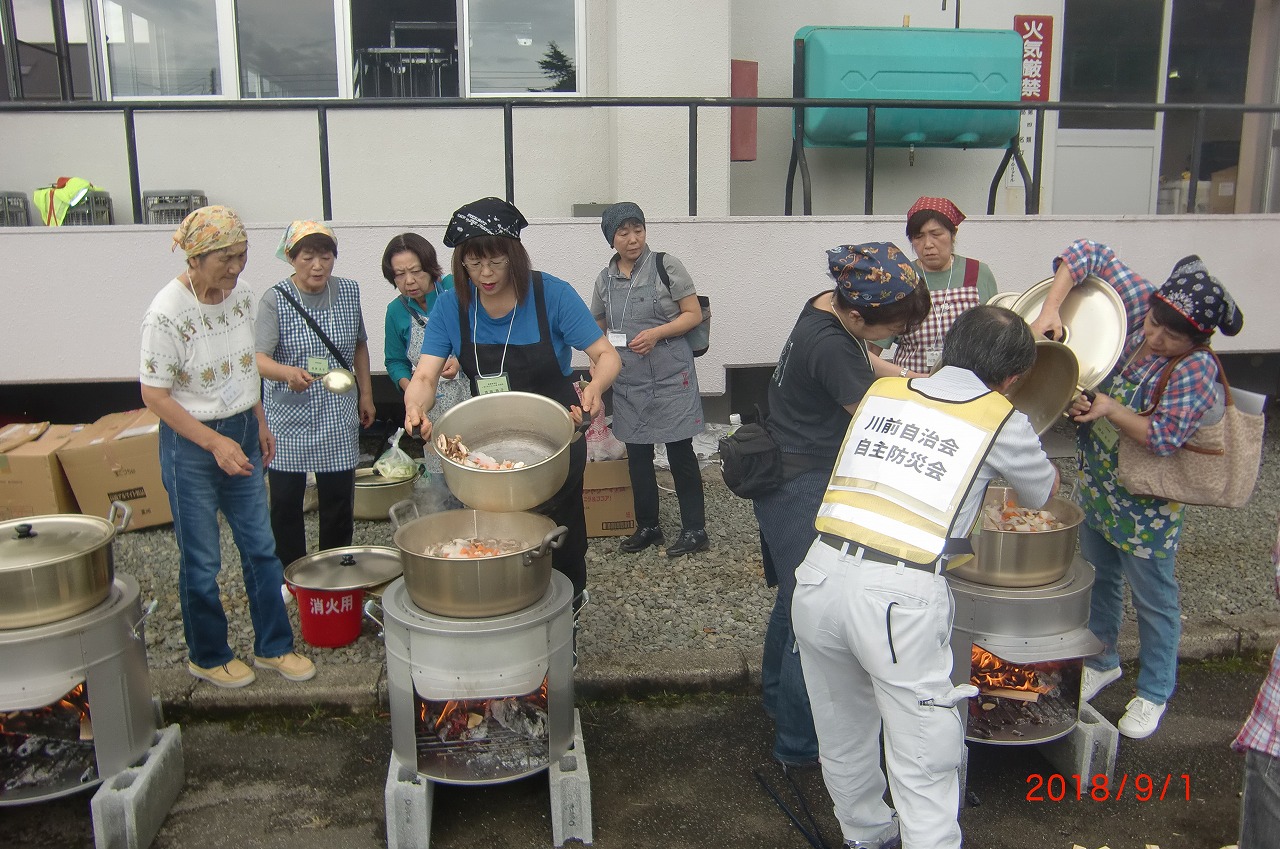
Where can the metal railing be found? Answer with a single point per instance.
(693, 105)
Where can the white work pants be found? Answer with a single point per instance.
(874, 643)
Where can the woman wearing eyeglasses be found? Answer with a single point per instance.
(514, 329)
(409, 263)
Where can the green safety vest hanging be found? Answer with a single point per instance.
(53, 202)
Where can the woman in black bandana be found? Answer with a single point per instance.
(515, 329)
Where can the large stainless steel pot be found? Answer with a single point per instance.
(375, 495)
(518, 426)
(1013, 559)
(475, 587)
(54, 567)
(1046, 391)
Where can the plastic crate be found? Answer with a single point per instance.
(171, 206)
(94, 209)
(14, 211)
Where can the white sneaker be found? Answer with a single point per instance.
(1141, 718)
(1093, 680)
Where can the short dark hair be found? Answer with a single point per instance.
(478, 247)
(318, 242)
(913, 309)
(419, 247)
(917, 222)
(992, 342)
(1175, 322)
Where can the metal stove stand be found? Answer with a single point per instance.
(409, 798)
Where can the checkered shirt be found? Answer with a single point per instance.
(1189, 393)
(1261, 731)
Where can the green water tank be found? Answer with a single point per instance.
(902, 63)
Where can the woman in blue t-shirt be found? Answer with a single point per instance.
(514, 329)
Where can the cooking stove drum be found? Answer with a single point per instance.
(103, 648)
(433, 658)
(1025, 626)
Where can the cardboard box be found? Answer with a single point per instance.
(117, 458)
(32, 482)
(1222, 191)
(607, 499)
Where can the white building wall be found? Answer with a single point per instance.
(763, 31)
(76, 296)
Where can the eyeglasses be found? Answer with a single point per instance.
(401, 276)
(496, 263)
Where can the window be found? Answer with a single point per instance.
(38, 68)
(521, 46)
(288, 48)
(162, 48)
(1110, 54)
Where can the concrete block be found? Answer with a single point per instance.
(571, 792)
(408, 797)
(1090, 748)
(130, 806)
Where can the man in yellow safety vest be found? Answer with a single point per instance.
(872, 609)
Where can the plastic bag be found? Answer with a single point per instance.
(395, 463)
(431, 495)
(601, 443)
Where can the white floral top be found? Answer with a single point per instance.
(202, 353)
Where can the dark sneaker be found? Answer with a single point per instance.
(642, 539)
(688, 543)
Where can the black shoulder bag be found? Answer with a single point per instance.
(750, 461)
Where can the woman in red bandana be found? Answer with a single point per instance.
(956, 283)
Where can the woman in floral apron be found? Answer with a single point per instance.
(956, 283)
(409, 263)
(1129, 537)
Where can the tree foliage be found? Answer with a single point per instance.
(558, 67)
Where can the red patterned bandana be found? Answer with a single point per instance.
(942, 205)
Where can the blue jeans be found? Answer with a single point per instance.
(1260, 803)
(1155, 596)
(197, 490)
(786, 532)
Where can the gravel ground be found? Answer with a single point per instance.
(713, 600)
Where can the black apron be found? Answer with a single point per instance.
(535, 368)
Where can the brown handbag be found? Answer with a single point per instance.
(1216, 467)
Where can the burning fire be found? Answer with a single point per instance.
(457, 716)
(74, 704)
(989, 672)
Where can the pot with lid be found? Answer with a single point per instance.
(330, 586)
(375, 494)
(56, 566)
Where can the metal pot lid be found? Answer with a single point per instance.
(1094, 320)
(352, 568)
(1046, 391)
(1003, 299)
(38, 540)
(372, 478)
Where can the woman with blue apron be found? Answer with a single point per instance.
(514, 329)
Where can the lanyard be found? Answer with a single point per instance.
(609, 300)
(475, 317)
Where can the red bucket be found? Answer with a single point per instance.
(329, 618)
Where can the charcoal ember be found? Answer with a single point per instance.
(519, 716)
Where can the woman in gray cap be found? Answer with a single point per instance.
(645, 302)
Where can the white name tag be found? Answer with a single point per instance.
(617, 339)
(230, 392)
(489, 385)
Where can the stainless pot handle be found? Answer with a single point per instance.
(554, 539)
(119, 515)
(408, 505)
(369, 607)
(151, 608)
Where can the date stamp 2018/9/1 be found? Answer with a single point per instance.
(1099, 788)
